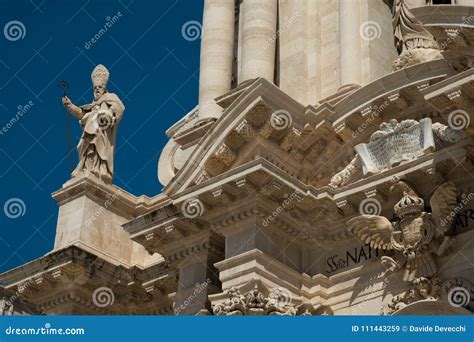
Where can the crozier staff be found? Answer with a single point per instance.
(99, 121)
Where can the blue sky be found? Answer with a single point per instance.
(154, 70)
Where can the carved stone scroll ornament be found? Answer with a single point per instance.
(446, 134)
(413, 42)
(256, 303)
(347, 174)
(417, 236)
(456, 292)
(393, 143)
(396, 142)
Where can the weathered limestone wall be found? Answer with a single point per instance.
(377, 49)
(89, 218)
(330, 52)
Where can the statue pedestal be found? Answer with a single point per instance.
(91, 213)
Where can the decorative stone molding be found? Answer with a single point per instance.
(290, 139)
(344, 176)
(396, 142)
(225, 154)
(246, 130)
(256, 303)
(202, 177)
(76, 274)
(446, 134)
(456, 292)
(423, 142)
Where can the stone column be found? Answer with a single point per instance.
(259, 39)
(294, 49)
(216, 55)
(465, 2)
(350, 43)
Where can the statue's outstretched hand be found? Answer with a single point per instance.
(66, 102)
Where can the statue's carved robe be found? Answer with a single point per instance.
(96, 147)
(408, 31)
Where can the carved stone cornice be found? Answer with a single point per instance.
(225, 154)
(456, 292)
(64, 282)
(246, 130)
(116, 198)
(259, 301)
(454, 92)
(208, 243)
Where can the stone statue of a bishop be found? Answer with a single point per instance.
(99, 121)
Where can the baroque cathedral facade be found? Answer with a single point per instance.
(326, 170)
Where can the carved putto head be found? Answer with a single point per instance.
(423, 286)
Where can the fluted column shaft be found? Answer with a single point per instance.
(216, 54)
(350, 42)
(259, 39)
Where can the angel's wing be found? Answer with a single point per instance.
(443, 202)
(372, 229)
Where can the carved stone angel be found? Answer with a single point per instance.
(417, 236)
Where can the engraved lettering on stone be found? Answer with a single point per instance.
(396, 142)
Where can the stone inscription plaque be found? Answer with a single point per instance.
(394, 143)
